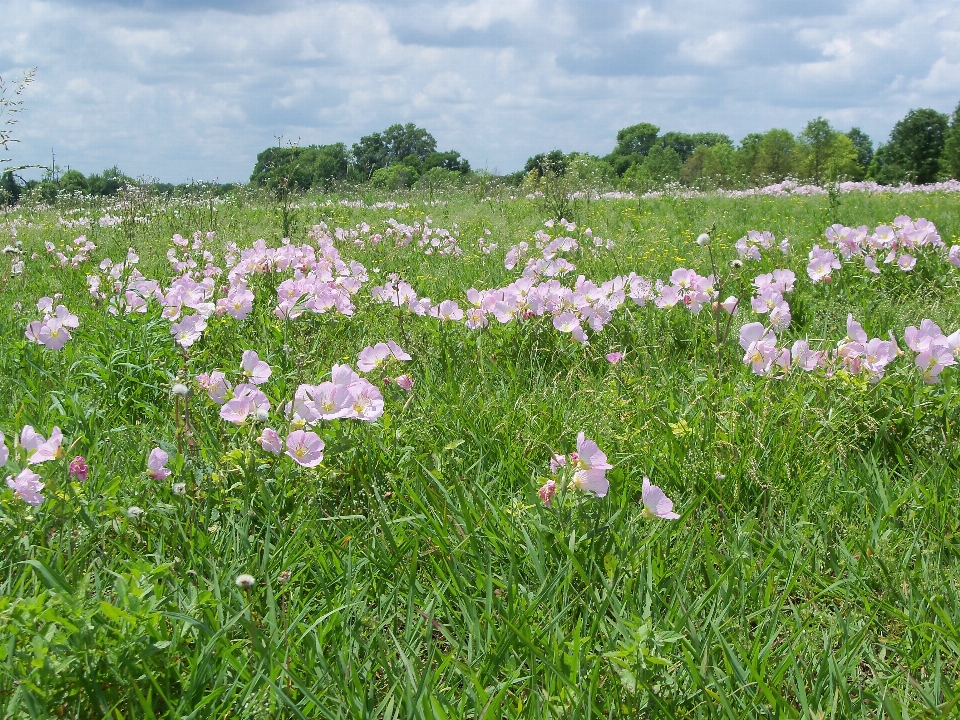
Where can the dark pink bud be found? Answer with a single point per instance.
(79, 469)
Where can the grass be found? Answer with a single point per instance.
(415, 573)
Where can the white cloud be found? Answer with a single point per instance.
(179, 90)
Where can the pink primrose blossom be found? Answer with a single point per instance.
(48, 450)
(398, 352)
(760, 347)
(270, 441)
(590, 467)
(730, 305)
(254, 368)
(157, 464)
(53, 334)
(188, 330)
(656, 503)
(614, 357)
(4, 451)
(30, 439)
(371, 358)
(26, 486)
(306, 448)
(367, 401)
(920, 340)
(933, 360)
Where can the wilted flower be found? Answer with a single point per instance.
(404, 381)
(78, 468)
(547, 491)
(656, 503)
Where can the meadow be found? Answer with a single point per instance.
(417, 459)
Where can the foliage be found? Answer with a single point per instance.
(914, 149)
(415, 572)
(950, 160)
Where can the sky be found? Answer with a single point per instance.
(183, 90)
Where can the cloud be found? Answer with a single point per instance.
(183, 89)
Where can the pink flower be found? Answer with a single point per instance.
(933, 360)
(306, 448)
(404, 381)
(398, 352)
(590, 467)
(730, 305)
(558, 461)
(156, 464)
(188, 331)
(254, 368)
(656, 503)
(78, 468)
(547, 491)
(367, 401)
(47, 450)
(4, 452)
(447, 310)
(270, 441)
(614, 357)
(760, 347)
(27, 486)
(53, 334)
(216, 385)
(372, 357)
(30, 439)
(331, 401)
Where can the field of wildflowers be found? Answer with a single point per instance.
(663, 456)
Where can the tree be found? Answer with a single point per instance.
(950, 158)
(913, 152)
(380, 150)
(776, 156)
(711, 166)
(449, 160)
(685, 144)
(301, 168)
(817, 139)
(864, 146)
(633, 144)
(73, 181)
(108, 182)
(554, 162)
(660, 167)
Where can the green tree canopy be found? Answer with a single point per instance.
(633, 144)
(776, 157)
(950, 158)
(380, 150)
(300, 168)
(864, 145)
(913, 152)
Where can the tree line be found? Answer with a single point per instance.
(923, 147)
